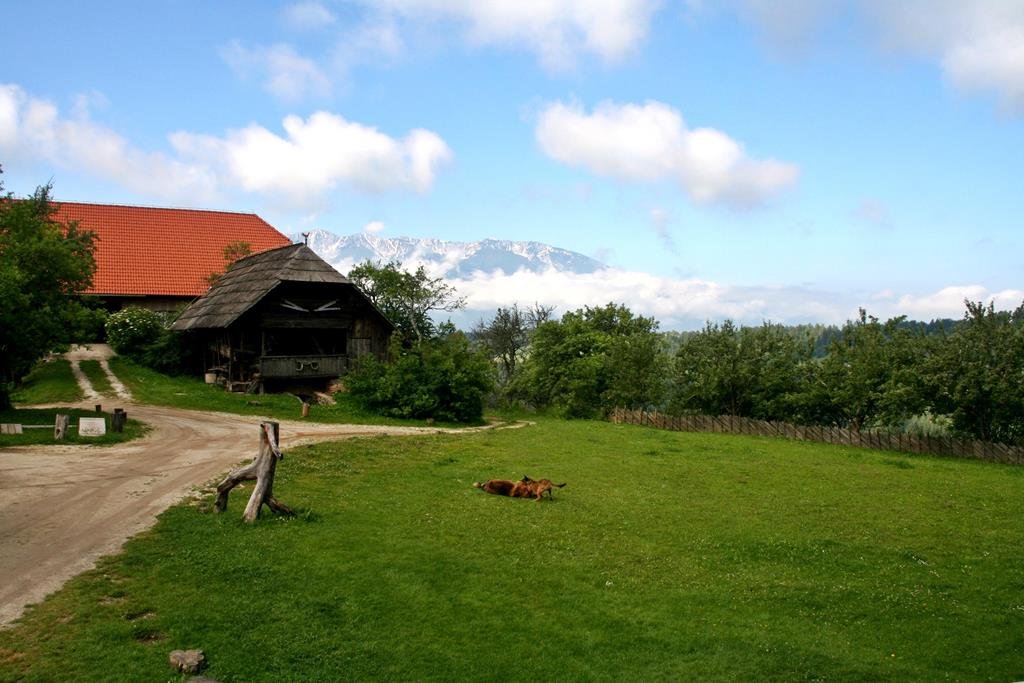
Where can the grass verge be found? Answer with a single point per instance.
(49, 382)
(97, 378)
(148, 386)
(133, 429)
(668, 557)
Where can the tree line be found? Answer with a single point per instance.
(964, 378)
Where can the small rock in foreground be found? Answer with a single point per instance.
(187, 661)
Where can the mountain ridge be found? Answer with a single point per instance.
(448, 258)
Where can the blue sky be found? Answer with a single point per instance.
(789, 160)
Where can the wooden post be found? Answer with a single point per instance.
(117, 423)
(99, 408)
(60, 427)
(305, 409)
(262, 469)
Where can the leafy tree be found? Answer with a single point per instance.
(231, 253)
(441, 378)
(405, 298)
(978, 375)
(507, 335)
(747, 371)
(45, 265)
(871, 375)
(594, 359)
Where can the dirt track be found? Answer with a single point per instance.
(63, 507)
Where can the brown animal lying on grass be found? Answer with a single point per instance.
(524, 488)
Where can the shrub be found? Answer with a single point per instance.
(142, 335)
(443, 379)
(131, 330)
(927, 424)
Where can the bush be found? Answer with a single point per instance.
(441, 379)
(131, 330)
(927, 424)
(142, 335)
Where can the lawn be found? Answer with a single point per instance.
(668, 556)
(148, 386)
(97, 378)
(133, 429)
(49, 382)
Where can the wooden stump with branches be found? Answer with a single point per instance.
(261, 469)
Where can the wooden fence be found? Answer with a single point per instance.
(729, 424)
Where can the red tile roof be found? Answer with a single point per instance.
(164, 252)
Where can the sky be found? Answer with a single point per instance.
(789, 160)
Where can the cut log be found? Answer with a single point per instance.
(60, 427)
(262, 469)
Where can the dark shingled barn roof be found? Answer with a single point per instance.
(250, 279)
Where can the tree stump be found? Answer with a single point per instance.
(60, 427)
(261, 469)
(117, 423)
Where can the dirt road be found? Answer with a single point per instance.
(63, 507)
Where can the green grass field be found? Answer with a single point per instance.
(667, 557)
(49, 382)
(148, 386)
(133, 429)
(97, 378)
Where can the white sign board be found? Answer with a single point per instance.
(92, 426)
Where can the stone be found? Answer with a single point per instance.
(187, 661)
(92, 426)
(201, 679)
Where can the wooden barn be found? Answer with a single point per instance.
(282, 319)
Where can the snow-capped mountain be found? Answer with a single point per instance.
(446, 258)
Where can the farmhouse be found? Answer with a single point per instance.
(162, 258)
(283, 318)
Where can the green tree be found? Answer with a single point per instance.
(45, 265)
(978, 374)
(406, 299)
(508, 334)
(231, 253)
(747, 371)
(872, 375)
(442, 378)
(594, 359)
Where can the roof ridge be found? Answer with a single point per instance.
(160, 208)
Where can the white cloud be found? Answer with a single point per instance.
(369, 42)
(676, 303)
(318, 154)
(373, 228)
(649, 142)
(285, 73)
(685, 303)
(557, 30)
(948, 302)
(979, 44)
(314, 156)
(307, 16)
(33, 129)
